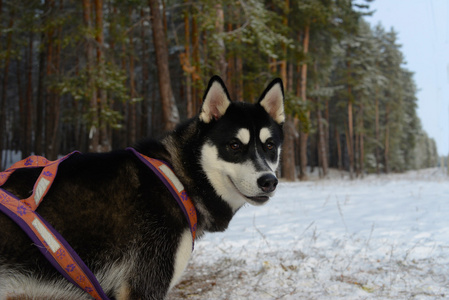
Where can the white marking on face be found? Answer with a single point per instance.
(264, 134)
(276, 163)
(261, 162)
(244, 136)
(234, 182)
(182, 256)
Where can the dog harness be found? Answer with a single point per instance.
(51, 244)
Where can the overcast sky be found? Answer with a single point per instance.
(423, 31)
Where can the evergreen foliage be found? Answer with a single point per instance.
(69, 72)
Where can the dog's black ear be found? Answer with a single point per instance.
(272, 100)
(216, 100)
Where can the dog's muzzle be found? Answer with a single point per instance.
(267, 183)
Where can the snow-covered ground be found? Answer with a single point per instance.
(381, 237)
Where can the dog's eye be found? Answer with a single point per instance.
(270, 146)
(235, 146)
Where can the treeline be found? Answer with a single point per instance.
(94, 75)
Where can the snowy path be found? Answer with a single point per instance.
(377, 238)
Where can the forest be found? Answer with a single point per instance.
(96, 75)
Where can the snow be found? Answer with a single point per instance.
(382, 237)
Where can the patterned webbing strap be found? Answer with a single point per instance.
(52, 245)
(176, 188)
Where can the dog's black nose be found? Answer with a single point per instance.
(267, 183)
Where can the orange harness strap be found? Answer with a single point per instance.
(176, 188)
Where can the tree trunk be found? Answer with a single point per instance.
(56, 105)
(387, 139)
(170, 115)
(94, 132)
(219, 30)
(361, 144)
(4, 88)
(40, 102)
(283, 63)
(105, 134)
(239, 76)
(288, 158)
(339, 152)
(350, 131)
(322, 143)
(326, 132)
(20, 130)
(288, 151)
(164, 19)
(29, 100)
(350, 139)
(196, 101)
(230, 70)
(185, 62)
(322, 150)
(377, 150)
(145, 80)
(357, 151)
(289, 83)
(304, 135)
(132, 113)
(49, 95)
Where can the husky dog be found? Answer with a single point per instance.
(121, 219)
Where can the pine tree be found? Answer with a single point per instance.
(169, 109)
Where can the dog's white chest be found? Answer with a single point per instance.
(182, 256)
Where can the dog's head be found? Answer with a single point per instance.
(243, 143)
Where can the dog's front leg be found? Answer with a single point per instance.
(150, 279)
(123, 293)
